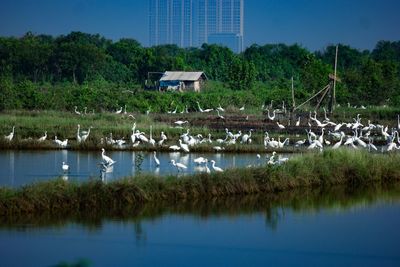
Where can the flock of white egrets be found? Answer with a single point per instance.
(331, 134)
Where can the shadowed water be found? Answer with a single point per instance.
(305, 228)
(18, 168)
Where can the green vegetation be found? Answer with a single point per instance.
(31, 125)
(324, 170)
(42, 72)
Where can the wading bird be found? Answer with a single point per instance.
(85, 135)
(156, 159)
(215, 168)
(107, 160)
(178, 165)
(180, 122)
(41, 139)
(11, 135)
(76, 111)
(281, 126)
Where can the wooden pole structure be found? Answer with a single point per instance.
(334, 81)
(293, 101)
(314, 96)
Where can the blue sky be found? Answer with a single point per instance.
(311, 23)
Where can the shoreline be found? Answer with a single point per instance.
(318, 170)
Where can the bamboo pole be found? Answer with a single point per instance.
(293, 101)
(314, 96)
(334, 81)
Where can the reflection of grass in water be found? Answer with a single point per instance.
(272, 205)
(139, 157)
(80, 263)
(344, 167)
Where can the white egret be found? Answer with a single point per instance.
(338, 144)
(282, 144)
(141, 136)
(156, 159)
(220, 108)
(220, 116)
(85, 136)
(230, 134)
(280, 125)
(198, 105)
(321, 137)
(11, 135)
(180, 122)
(118, 111)
(215, 168)
(236, 136)
(108, 161)
(338, 126)
(162, 140)
(58, 142)
(175, 148)
(371, 145)
(163, 136)
(218, 148)
(271, 117)
(300, 142)
(178, 165)
(151, 140)
(76, 111)
(133, 135)
(271, 160)
(78, 135)
(298, 122)
(64, 143)
(242, 108)
(246, 137)
(184, 147)
(41, 139)
(398, 122)
(207, 169)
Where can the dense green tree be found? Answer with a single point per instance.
(78, 67)
(242, 74)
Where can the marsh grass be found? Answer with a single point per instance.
(322, 170)
(30, 125)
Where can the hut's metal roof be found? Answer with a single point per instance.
(182, 76)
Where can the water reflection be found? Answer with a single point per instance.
(106, 173)
(12, 166)
(272, 206)
(18, 168)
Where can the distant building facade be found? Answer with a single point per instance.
(221, 22)
(171, 22)
(189, 23)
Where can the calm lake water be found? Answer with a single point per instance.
(335, 229)
(18, 168)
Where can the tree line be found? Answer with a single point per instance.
(34, 64)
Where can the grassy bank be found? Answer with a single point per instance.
(31, 125)
(349, 168)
